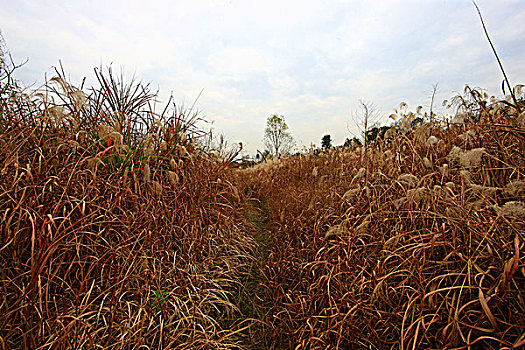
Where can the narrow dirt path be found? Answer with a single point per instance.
(251, 301)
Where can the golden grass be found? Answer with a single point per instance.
(387, 251)
(120, 230)
(116, 231)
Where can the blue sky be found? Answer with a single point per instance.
(311, 61)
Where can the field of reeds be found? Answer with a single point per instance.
(117, 230)
(120, 229)
(416, 242)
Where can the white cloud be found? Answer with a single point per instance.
(308, 60)
(238, 61)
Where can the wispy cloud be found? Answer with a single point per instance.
(310, 61)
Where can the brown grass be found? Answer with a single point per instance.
(120, 230)
(116, 231)
(385, 251)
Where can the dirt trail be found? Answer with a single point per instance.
(251, 301)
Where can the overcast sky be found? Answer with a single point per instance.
(311, 61)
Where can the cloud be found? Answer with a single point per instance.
(309, 61)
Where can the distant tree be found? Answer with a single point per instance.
(376, 133)
(367, 120)
(277, 138)
(355, 142)
(326, 142)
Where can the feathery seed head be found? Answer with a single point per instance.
(408, 179)
(362, 228)
(518, 89)
(147, 173)
(513, 210)
(520, 120)
(58, 113)
(400, 202)
(79, 99)
(454, 212)
(335, 230)
(468, 138)
(467, 177)
(451, 185)
(390, 133)
(472, 159)
(459, 118)
(156, 187)
(352, 194)
(477, 205)
(173, 164)
(422, 134)
(515, 189)
(73, 144)
(444, 170)
(432, 141)
(92, 163)
(419, 195)
(441, 146)
(102, 131)
(173, 177)
(407, 122)
(483, 191)
(454, 154)
(367, 192)
(124, 148)
(116, 138)
(360, 174)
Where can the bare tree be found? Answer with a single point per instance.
(368, 119)
(277, 139)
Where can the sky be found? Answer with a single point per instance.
(309, 61)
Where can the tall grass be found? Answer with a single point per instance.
(117, 231)
(120, 229)
(417, 244)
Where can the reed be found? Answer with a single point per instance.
(394, 253)
(116, 230)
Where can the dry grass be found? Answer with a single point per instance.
(418, 244)
(119, 231)
(116, 231)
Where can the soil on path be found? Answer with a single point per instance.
(251, 299)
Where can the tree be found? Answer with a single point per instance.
(326, 142)
(352, 143)
(368, 119)
(277, 139)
